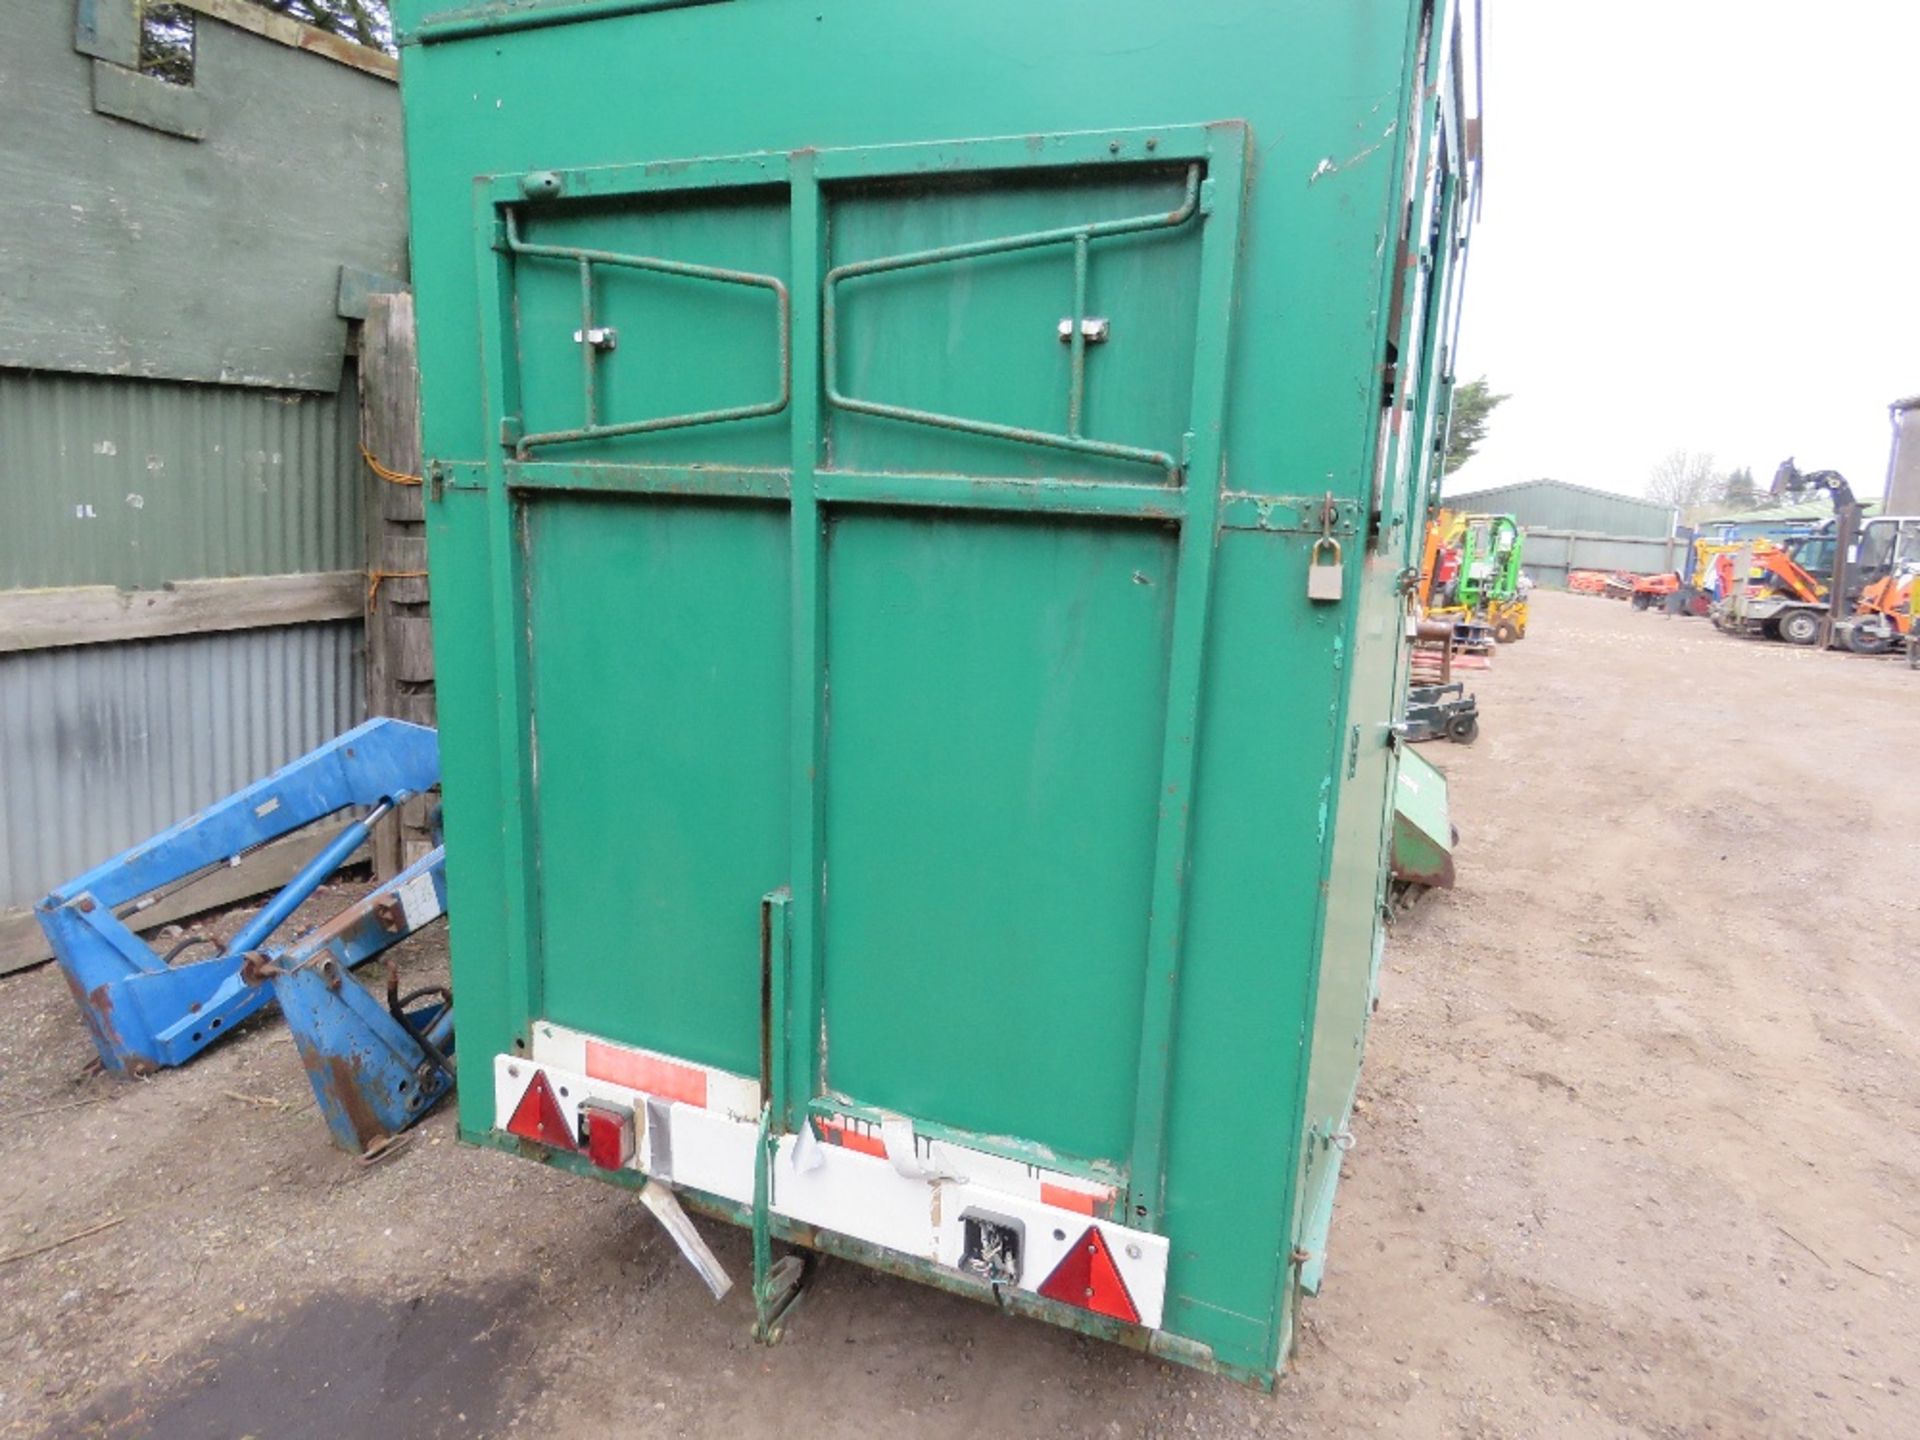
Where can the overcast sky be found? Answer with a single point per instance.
(1701, 230)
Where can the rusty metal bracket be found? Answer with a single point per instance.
(1315, 515)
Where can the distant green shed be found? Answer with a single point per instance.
(1555, 505)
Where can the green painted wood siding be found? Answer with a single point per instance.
(130, 251)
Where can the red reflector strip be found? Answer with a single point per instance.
(538, 1116)
(662, 1078)
(837, 1132)
(1086, 1277)
(1060, 1195)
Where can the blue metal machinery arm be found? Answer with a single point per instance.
(144, 1012)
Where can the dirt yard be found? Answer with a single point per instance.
(1639, 1152)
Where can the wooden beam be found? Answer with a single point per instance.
(97, 614)
(244, 15)
(22, 943)
(399, 624)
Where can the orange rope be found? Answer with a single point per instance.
(393, 477)
(374, 577)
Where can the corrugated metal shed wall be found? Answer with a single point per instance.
(135, 483)
(103, 745)
(114, 481)
(1557, 505)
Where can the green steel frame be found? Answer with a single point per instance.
(1221, 150)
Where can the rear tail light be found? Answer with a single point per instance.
(606, 1132)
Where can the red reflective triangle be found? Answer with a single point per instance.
(538, 1116)
(1087, 1277)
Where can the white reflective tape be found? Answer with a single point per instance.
(858, 1195)
(903, 1153)
(713, 1153)
(658, 1119)
(807, 1152)
(553, 1045)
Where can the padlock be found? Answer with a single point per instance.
(1324, 576)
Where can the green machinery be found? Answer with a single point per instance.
(1489, 560)
(923, 504)
(1486, 583)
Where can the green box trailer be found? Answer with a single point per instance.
(921, 507)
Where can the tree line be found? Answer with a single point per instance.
(167, 30)
(1686, 478)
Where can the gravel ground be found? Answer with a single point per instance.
(1637, 1153)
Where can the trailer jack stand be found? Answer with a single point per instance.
(777, 1294)
(144, 1010)
(778, 1285)
(375, 1068)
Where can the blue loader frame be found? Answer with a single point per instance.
(146, 1012)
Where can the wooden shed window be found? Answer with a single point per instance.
(166, 42)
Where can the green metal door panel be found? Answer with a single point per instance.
(682, 341)
(996, 695)
(477, 808)
(663, 797)
(1345, 981)
(980, 337)
(1261, 808)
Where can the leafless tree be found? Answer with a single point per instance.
(1685, 477)
(167, 30)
